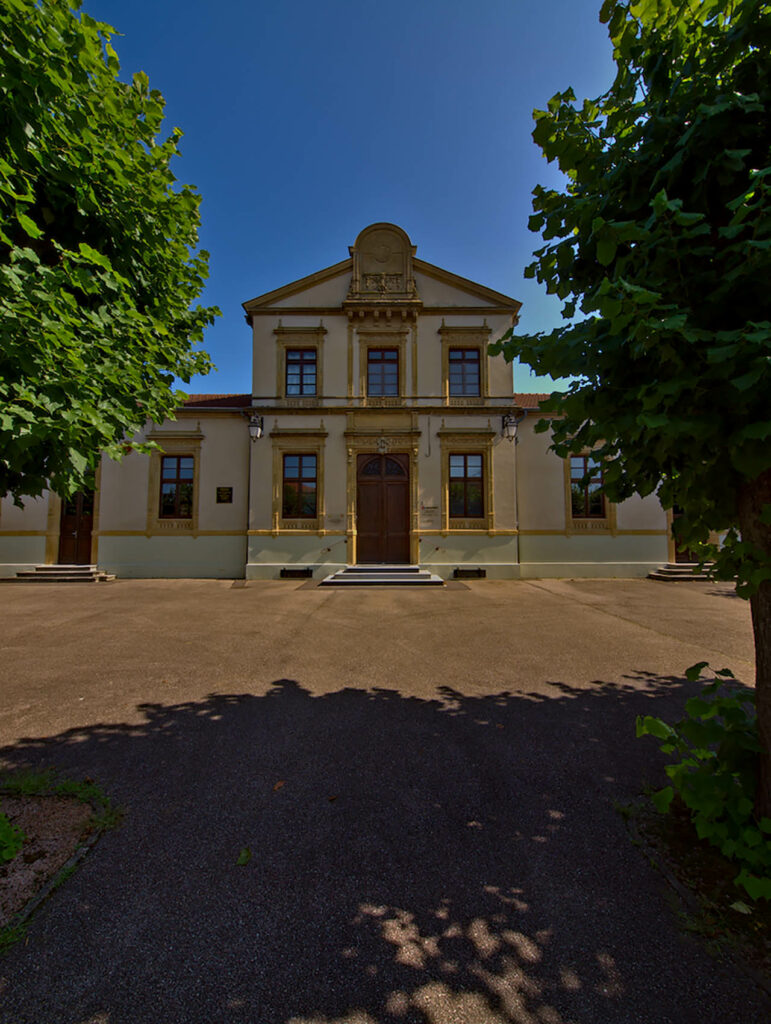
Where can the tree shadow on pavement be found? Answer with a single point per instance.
(455, 861)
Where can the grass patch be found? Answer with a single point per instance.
(10, 935)
(28, 784)
(49, 782)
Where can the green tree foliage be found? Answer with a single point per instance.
(662, 240)
(716, 749)
(98, 267)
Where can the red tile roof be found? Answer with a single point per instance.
(529, 401)
(217, 401)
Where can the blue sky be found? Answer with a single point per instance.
(305, 121)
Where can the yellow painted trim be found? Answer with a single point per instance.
(284, 533)
(618, 533)
(350, 360)
(414, 494)
(494, 405)
(466, 337)
(177, 443)
(23, 533)
(330, 311)
(414, 338)
(454, 533)
(199, 533)
(586, 527)
(299, 337)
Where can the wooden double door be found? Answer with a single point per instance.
(383, 509)
(682, 554)
(75, 528)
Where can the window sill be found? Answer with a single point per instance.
(590, 526)
(383, 401)
(300, 401)
(299, 525)
(467, 524)
(164, 527)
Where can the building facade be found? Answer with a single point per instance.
(385, 436)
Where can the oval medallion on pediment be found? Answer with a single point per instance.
(382, 252)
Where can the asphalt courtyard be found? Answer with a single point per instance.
(426, 780)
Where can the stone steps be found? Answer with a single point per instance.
(678, 572)
(382, 576)
(63, 574)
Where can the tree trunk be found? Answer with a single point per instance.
(752, 497)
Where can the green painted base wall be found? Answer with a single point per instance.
(269, 555)
(505, 557)
(20, 553)
(626, 555)
(173, 557)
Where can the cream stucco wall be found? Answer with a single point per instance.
(23, 534)
(634, 546)
(131, 540)
(31, 516)
(527, 529)
(329, 293)
(440, 293)
(127, 538)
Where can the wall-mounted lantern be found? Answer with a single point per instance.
(510, 422)
(255, 426)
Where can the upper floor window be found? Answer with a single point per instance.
(299, 487)
(464, 371)
(382, 371)
(466, 497)
(301, 371)
(177, 473)
(586, 499)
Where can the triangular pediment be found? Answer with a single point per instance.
(459, 290)
(311, 285)
(408, 282)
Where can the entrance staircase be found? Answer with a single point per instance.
(678, 572)
(382, 576)
(63, 574)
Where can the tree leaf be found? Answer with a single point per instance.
(103, 301)
(606, 251)
(740, 907)
(663, 799)
(29, 225)
(694, 671)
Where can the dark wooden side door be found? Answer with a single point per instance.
(383, 509)
(75, 529)
(682, 554)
